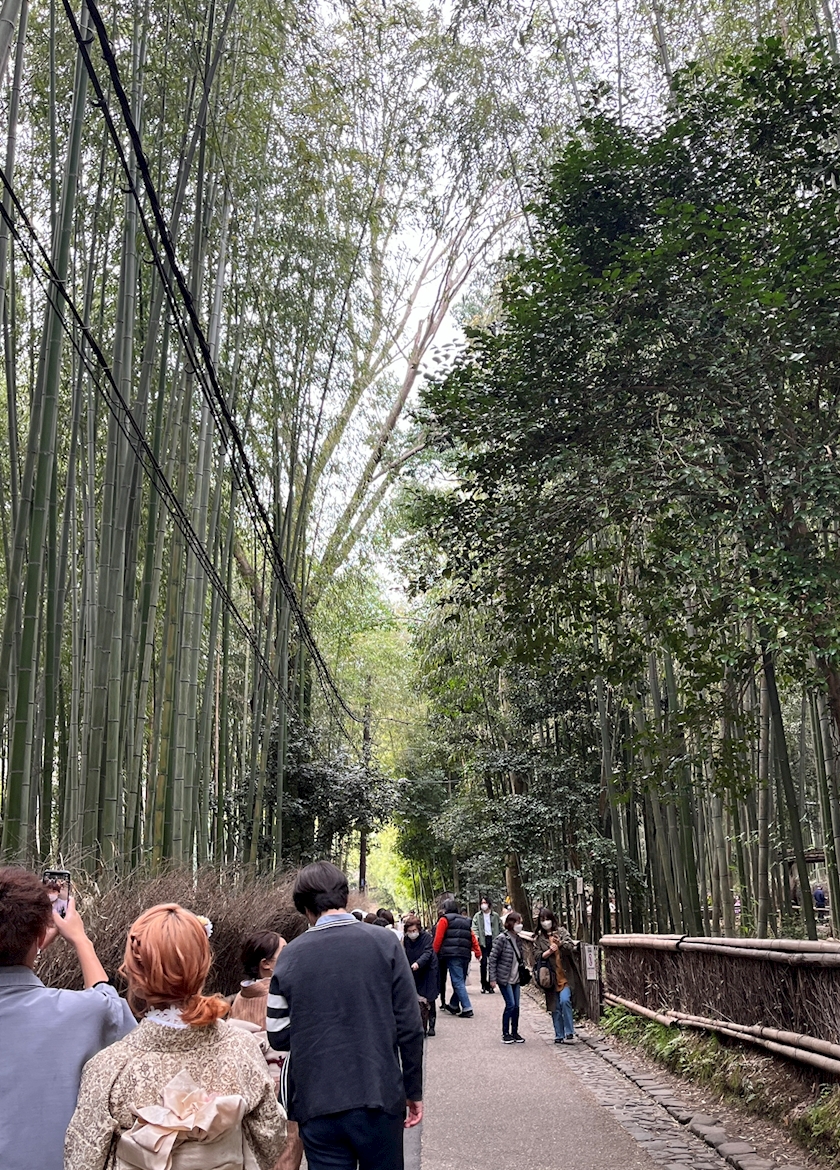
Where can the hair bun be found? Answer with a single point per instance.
(201, 1010)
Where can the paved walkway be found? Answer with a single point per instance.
(494, 1106)
(541, 1106)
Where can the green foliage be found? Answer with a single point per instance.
(701, 1058)
(638, 463)
(665, 368)
(818, 1127)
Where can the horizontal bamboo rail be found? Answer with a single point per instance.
(648, 942)
(789, 958)
(820, 1054)
(668, 1020)
(759, 1031)
(791, 951)
(794, 945)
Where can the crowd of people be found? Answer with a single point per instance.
(320, 1051)
(444, 952)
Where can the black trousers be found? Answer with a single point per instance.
(485, 955)
(369, 1139)
(444, 971)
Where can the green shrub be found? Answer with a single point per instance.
(818, 1126)
(735, 1073)
(759, 1083)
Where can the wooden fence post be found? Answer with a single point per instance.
(592, 973)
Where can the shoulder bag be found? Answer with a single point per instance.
(544, 972)
(524, 973)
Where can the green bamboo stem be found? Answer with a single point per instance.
(15, 824)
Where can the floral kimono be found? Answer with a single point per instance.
(175, 1097)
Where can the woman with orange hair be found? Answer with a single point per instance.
(186, 1090)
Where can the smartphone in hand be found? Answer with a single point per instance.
(58, 886)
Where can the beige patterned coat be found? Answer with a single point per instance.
(132, 1073)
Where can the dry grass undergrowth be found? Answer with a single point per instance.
(792, 1096)
(236, 908)
(792, 997)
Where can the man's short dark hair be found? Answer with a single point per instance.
(450, 906)
(25, 913)
(319, 887)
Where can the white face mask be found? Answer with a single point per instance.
(412, 934)
(546, 924)
(519, 928)
(484, 907)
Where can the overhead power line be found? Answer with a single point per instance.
(193, 336)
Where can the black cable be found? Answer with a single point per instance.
(205, 370)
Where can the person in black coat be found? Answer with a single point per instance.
(424, 966)
(342, 1003)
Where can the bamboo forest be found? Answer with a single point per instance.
(420, 449)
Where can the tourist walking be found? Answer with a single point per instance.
(454, 945)
(344, 1006)
(504, 970)
(391, 922)
(260, 952)
(424, 966)
(553, 940)
(185, 1082)
(46, 1033)
(486, 926)
(442, 969)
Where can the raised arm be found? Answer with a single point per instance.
(72, 930)
(427, 952)
(567, 943)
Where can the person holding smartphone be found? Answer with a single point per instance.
(47, 1033)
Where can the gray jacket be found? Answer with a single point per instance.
(504, 959)
(46, 1036)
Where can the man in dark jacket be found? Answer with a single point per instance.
(454, 945)
(342, 1003)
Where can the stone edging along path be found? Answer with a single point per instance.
(674, 1135)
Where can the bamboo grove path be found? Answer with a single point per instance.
(490, 1106)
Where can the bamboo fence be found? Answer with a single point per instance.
(782, 995)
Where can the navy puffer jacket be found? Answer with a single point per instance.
(457, 942)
